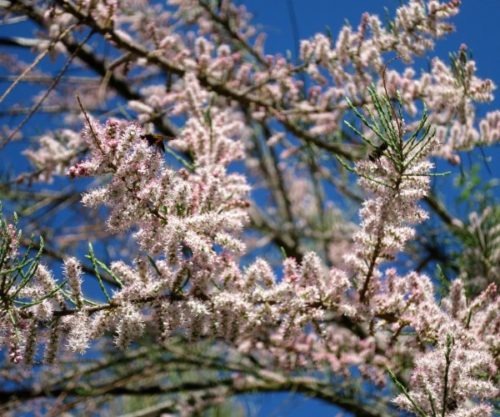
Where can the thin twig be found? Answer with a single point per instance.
(34, 63)
(47, 92)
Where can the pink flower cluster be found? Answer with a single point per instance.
(463, 364)
(194, 208)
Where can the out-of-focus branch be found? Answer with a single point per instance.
(19, 42)
(226, 25)
(269, 382)
(244, 100)
(452, 222)
(87, 55)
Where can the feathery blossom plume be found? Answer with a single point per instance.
(444, 381)
(449, 93)
(55, 153)
(78, 335)
(73, 272)
(181, 216)
(171, 208)
(459, 362)
(397, 179)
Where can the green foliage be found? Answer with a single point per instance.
(17, 269)
(475, 191)
(388, 135)
(479, 254)
(480, 258)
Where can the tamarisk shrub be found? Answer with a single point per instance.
(227, 260)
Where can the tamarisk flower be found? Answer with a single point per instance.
(31, 298)
(455, 361)
(187, 219)
(55, 153)
(197, 207)
(449, 93)
(397, 179)
(447, 378)
(358, 53)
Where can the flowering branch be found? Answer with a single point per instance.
(397, 174)
(224, 258)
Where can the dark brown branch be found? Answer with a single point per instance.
(86, 54)
(303, 385)
(217, 87)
